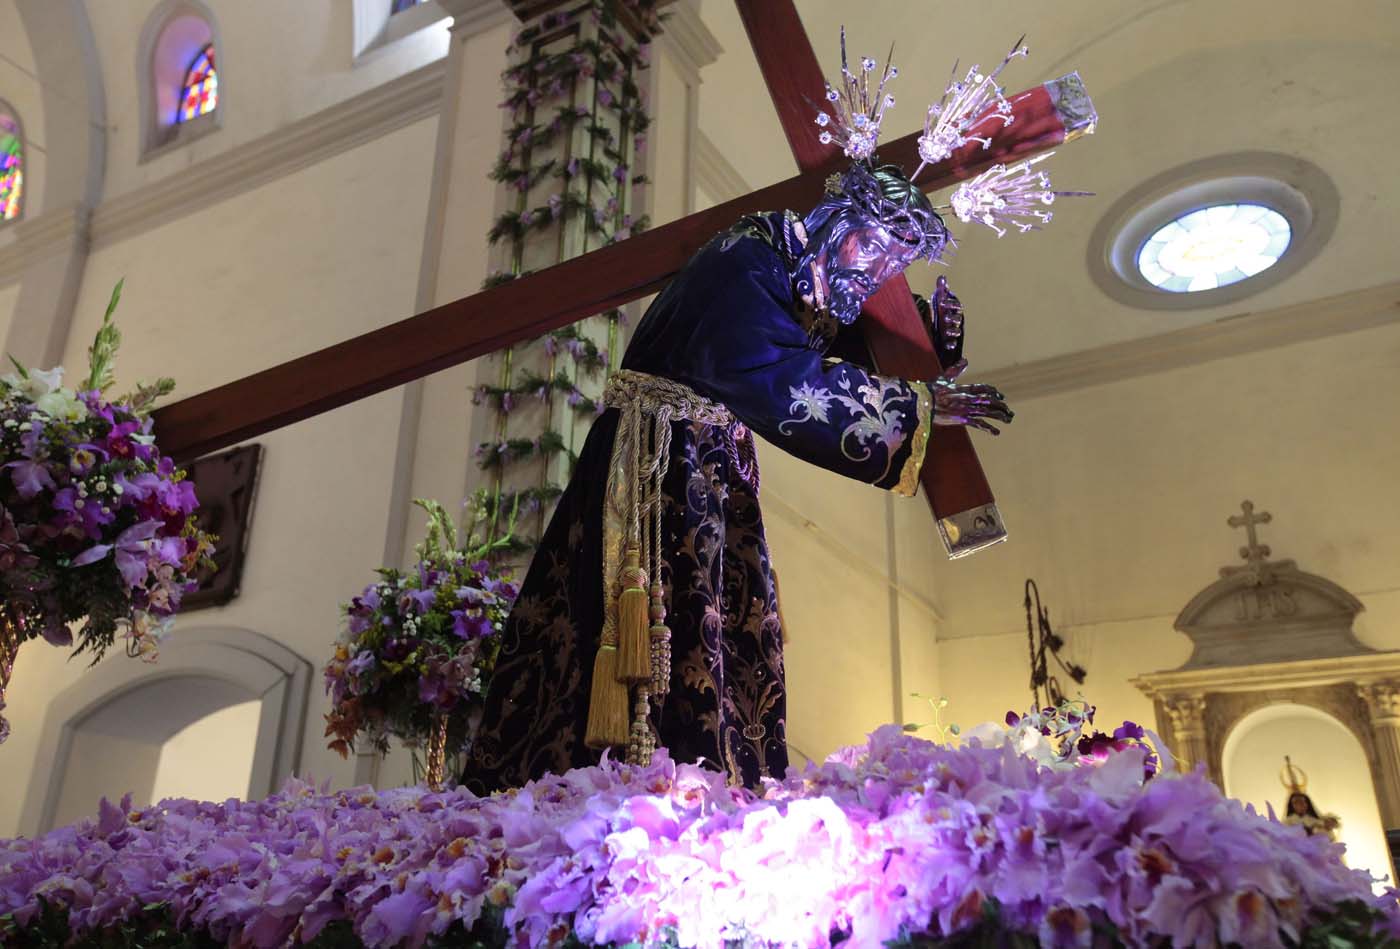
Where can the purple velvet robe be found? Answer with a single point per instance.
(734, 327)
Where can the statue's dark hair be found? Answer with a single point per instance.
(882, 195)
(1312, 810)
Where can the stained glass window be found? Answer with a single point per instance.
(402, 5)
(200, 94)
(1214, 247)
(11, 169)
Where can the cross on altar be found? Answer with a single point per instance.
(473, 326)
(1255, 552)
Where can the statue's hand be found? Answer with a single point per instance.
(955, 404)
(947, 315)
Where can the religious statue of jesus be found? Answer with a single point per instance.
(649, 615)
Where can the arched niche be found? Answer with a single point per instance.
(132, 708)
(1331, 755)
(174, 34)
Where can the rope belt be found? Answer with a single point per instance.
(635, 645)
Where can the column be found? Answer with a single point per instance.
(1188, 719)
(1383, 703)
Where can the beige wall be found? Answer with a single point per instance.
(9, 296)
(211, 759)
(126, 764)
(278, 63)
(303, 262)
(1116, 495)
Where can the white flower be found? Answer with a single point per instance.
(61, 404)
(42, 381)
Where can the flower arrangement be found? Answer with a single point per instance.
(1055, 736)
(897, 842)
(420, 645)
(96, 527)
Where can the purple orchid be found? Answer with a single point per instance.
(30, 478)
(132, 550)
(468, 626)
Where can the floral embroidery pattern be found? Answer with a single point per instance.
(810, 404)
(877, 419)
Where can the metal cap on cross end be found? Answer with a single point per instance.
(967, 532)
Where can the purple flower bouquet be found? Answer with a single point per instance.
(96, 527)
(897, 842)
(420, 646)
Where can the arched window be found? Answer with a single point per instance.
(11, 168)
(199, 94)
(183, 84)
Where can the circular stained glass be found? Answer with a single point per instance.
(1214, 247)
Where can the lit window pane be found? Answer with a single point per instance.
(11, 169)
(402, 5)
(200, 92)
(1214, 247)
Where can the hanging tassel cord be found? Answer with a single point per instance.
(636, 654)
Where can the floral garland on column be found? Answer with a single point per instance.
(578, 122)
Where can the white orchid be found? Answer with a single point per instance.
(62, 405)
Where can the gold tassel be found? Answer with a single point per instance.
(778, 601)
(660, 642)
(634, 647)
(608, 712)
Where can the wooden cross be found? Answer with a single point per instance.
(619, 273)
(1256, 552)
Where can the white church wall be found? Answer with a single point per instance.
(305, 261)
(211, 759)
(838, 656)
(277, 63)
(1116, 498)
(9, 298)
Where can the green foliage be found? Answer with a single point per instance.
(102, 354)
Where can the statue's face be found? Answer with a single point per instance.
(862, 260)
(1298, 804)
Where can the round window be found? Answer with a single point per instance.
(1214, 247)
(1212, 232)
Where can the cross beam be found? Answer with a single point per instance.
(484, 322)
(531, 306)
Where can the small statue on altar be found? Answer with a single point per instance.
(648, 616)
(1301, 810)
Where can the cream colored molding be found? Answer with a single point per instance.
(400, 102)
(1232, 336)
(828, 541)
(689, 41)
(50, 233)
(1302, 673)
(714, 175)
